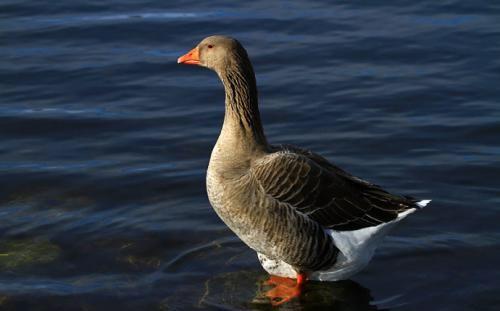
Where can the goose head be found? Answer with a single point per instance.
(216, 53)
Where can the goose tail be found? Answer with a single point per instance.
(423, 203)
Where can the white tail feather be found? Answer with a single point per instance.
(423, 203)
(356, 249)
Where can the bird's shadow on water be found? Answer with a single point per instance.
(244, 290)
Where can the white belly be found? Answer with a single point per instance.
(342, 270)
(356, 250)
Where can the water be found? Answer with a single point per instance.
(104, 143)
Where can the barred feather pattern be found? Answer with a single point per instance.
(271, 227)
(325, 193)
(282, 200)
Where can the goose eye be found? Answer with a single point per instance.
(210, 46)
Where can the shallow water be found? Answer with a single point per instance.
(104, 143)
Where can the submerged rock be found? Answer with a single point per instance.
(245, 290)
(17, 254)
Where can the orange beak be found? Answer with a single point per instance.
(192, 57)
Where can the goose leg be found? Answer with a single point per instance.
(285, 289)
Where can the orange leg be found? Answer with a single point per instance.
(285, 290)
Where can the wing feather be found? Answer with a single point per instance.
(325, 193)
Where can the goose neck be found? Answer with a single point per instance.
(242, 122)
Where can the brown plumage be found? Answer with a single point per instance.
(292, 206)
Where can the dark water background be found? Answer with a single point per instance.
(104, 143)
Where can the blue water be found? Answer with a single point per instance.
(104, 143)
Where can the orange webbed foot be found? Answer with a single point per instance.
(285, 290)
(277, 280)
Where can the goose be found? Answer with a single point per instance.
(306, 218)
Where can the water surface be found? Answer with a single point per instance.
(104, 143)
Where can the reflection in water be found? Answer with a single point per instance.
(246, 290)
(243, 289)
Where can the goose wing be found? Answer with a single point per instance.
(325, 193)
